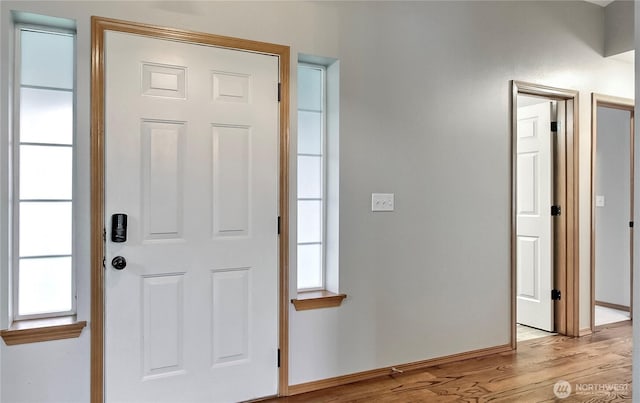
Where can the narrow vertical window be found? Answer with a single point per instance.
(42, 265)
(311, 177)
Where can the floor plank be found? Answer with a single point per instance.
(598, 367)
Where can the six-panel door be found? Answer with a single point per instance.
(534, 227)
(192, 159)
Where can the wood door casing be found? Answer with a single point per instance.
(570, 268)
(625, 104)
(99, 27)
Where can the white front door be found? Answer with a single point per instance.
(192, 159)
(534, 226)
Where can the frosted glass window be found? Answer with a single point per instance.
(310, 171)
(45, 228)
(309, 221)
(45, 285)
(310, 257)
(309, 87)
(46, 116)
(309, 132)
(43, 272)
(46, 172)
(309, 177)
(46, 59)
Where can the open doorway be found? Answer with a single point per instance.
(544, 212)
(612, 165)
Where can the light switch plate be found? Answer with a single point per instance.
(599, 201)
(382, 202)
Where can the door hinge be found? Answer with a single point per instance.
(104, 262)
(279, 91)
(555, 295)
(554, 126)
(104, 235)
(630, 224)
(556, 210)
(278, 225)
(278, 358)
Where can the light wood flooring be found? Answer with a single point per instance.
(591, 363)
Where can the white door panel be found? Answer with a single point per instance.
(192, 159)
(534, 259)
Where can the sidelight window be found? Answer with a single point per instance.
(318, 179)
(311, 176)
(42, 206)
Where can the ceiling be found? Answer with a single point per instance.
(602, 3)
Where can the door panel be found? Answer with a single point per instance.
(162, 325)
(231, 192)
(534, 225)
(162, 158)
(191, 151)
(529, 267)
(230, 316)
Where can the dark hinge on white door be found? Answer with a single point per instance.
(278, 225)
(554, 127)
(278, 358)
(104, 239)
(556, 295)
(279, 91)
(555, 210)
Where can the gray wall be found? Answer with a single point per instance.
(424, 114)
(619, 27)
(613, 277)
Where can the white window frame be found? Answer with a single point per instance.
(323, 199)
(14, 201)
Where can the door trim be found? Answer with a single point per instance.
(628, 105)
(567, 272)
(99, 26)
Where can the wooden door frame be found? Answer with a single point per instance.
(566, 241)
(624, 104)
(99, 26)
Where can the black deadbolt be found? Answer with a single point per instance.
(119, 227)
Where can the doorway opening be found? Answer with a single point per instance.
(612, 165)
(544, 221)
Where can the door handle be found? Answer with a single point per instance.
(119, 263)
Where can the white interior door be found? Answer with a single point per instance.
(534, 226)
(192, 159)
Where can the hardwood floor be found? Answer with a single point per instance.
(590, 364)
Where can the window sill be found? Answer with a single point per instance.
(317, 300)
(37, 330)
